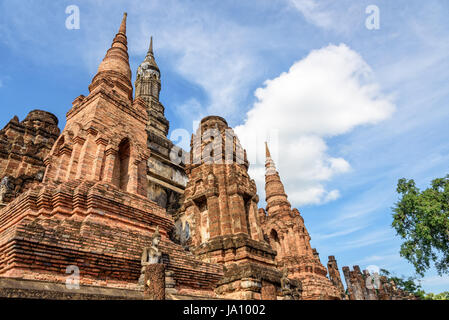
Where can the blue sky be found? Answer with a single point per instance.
(353, 109)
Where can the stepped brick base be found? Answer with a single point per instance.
(32, 289)
(100, 230)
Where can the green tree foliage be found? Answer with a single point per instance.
(439, 296)
(421, 218)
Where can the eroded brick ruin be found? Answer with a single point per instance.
(23, 147)
(371, 286)
(92, 196)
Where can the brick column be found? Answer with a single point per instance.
(84, 164)
(225, 215)
(74, 159)
(292, 242)
(142, 181)
(237, 210)
(49, 170)
(99, 159)
(298, 240)
(256, 230)
(133, 183)
(108, 174)
(214, 216)
(65, 153)
(284, 247)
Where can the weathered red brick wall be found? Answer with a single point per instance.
(23, 148)
(220, 206)
(334, 275)
(155, 282)
(220, 198)
(104, 237)
(268, 291)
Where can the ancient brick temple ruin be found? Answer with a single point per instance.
(82, 204)
(371, 286)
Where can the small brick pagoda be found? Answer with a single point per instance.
(286, 232)
(220, 206)
(91, 197)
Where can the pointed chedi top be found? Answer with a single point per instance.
(269, 163)
(267, 150)
(115, 65)
(150, 51)
(123, 25)
(150, 57)
(274, 189)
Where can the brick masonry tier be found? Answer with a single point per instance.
(100, 230)
(248, 281)
(236, 249)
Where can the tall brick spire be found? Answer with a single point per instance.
(105, 136)
(274, 189)
(115, 65)
(148, 87)
(122, 29)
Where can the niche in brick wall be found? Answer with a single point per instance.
(124, 153)
(275, 241)
(247, 200)
(201, 205)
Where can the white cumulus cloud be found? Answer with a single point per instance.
(326, 94)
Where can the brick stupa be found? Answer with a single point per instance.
(287, 233)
